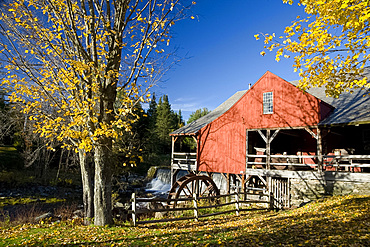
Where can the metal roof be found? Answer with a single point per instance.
(195, 126)
(350, 108)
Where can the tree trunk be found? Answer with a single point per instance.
(87, 187)
(103, 183)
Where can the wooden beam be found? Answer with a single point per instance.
(268, 149)
(313, 175)
(243, 186)
(172, 158)
(274, 135)
(238, 177)
(228, 182)
(319, 150)
(311, 133)
(246, 149)
(263, 180)
(249, 177)
(262, 135)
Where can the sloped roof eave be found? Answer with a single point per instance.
(194, 127)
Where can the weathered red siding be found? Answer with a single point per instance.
(222, 142)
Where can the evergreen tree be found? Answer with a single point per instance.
(164, 124)
(179, 122)
(197, 114)
(152, 111)
(151, 139)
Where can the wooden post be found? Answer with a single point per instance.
(268, 149)
(271, 199)
(172, 157)
(197, 157)
(318, 138)
(269, 184)
(319, 150)
(243, 185)
(288, 193)
(195, 206)
(133, 201)
(228, 184)
(237, 202)
(246, 149)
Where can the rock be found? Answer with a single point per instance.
(78, 213)
(151, 172)
(120, 211)
(119, 205)
(44, 216)
(155, 206)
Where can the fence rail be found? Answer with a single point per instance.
(184, 161)
(238, 199)
(348, 162)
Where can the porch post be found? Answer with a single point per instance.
(319, 149)
(268, 151)
(246, 150)
(172, 156)
(198, 138)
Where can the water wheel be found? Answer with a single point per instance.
(189, 184)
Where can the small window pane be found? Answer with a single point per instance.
(268, 103)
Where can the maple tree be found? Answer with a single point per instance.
(330, 45)
(65, 63)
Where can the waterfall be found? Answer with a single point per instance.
(220, 182)
(161, 184)
(164, 175)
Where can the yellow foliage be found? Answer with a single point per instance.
(331, 44)
(69, 75)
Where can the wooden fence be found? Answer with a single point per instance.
(353, 163)
(238, 199)
(184, 161)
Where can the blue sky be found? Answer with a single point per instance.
(223, 55)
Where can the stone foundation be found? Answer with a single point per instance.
(304, 190)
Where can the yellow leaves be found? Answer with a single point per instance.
(322, 53)
(256, 36)
(278, 54)
(269, 38)
(347, 226)
(63, 94)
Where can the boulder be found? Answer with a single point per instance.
(44, 216)
(155, 206)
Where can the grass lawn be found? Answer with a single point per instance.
(334, 221)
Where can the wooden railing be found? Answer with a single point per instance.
(184, 161)
(330, 162)
(239, 200)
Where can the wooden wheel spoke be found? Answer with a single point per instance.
(209, 189)
(189, 190)
(189, 184)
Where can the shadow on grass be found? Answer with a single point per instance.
(332, 223)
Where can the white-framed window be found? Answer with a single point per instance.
(268, 103)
